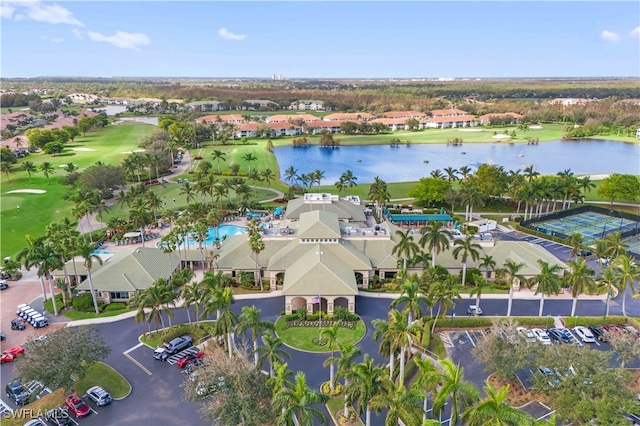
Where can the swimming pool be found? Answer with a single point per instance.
(221, 232)
(101, 252)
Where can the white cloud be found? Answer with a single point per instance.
(635, 33)
(609, 36)
(40, 12)
(225, 34)
(52, 39)
(77, 33)
(122, 39)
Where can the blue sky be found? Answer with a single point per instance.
(320, 39)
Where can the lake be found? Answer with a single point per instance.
(409, 162)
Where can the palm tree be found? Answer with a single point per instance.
(511, 270)
(7, 167)
(249, 157)
(157, 298)
(453, 387)
(402, 405)
(191, 293)
(219, 155)
(267, 175)
(291, 174)
(466, 248)
(424, 381)
(257, 245)
(367, 381)
(319, 175)
(452, 174)
(280, 380)
(331, 336)
(348, 353)
(411, 297)
(576, 243)
(379, 194)
(188, 191)
(297, 402)
(441, 293)
(627, 272)
(85, 251)
(388, 347)
(489, 263)
(31, 256)
(349, 179)
(479, 286)
(271, 351)
(579, 278)
(250, 320)
(29, 167)
(47, 169)
(615, 245)
(609, 282)
(227, 318)
(547, 281)
(49, 261)
(405, 247)
(494, 410)
(435, 239)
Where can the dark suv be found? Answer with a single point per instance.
(17, 393)
(558, 335)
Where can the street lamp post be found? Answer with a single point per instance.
(452, 317)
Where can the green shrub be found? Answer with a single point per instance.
(48, 305)
(301, 313)
(83, 302)
(116, 306)
(291, 317)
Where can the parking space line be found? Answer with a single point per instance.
(133, 348)
(573, 337)
(470, 339)
(135, 361)
(446, 340)
(94, 411)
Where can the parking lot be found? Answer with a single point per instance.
(459, 345)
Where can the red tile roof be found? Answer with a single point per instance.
(506, 114)
(320, 123)
(348, 116)
(279, 118)
(451, 119)
(404, 114)
(450, 111)
(390, 121)
(229, 118)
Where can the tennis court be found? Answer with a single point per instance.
(593, 223)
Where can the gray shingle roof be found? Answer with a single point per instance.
(319, 272)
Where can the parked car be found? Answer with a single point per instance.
(77, 406)
(15, 351)
(631, 330)
(526, 334)
(474, 311)
(98, 395)
(6, 358)
(178, 344)
(182, 363)
(58, 417)
(598, 332)
(17, 324)
(3, 285)
(584, 334)
(191, 364)
(541, 336)
(35, 422)
(551, 378)
(160, 354)
(17, 393)
(558, 335)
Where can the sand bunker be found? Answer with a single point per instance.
(27, 191)
(469, 130)
(501, 136)
(535, 127)
(135, 150)
(82, 149)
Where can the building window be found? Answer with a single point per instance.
(119, 295)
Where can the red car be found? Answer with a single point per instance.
(184, 361)
(14, 351)
(6, 358)
(77, 405)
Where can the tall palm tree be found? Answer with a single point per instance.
(489, 263)
(297, 402)
(580, 279)
(331, 336)
(191, 293)
(280, 380)
(435, 239)
(480, 285)
(188, 191)
(267, 176)
(494, 410)
(155, 298)
(442, 293)
(615, 245)
(452, 174)
(7, 167)
(367, 381)
(627, 272)
(249, 320)
(466, 248)
(29, 167)
(547, 281)
(405, 247)
(31, 256)
(424, 381)
(219, 155)
(256, 244)
(388, 346)
(348, 353)
(453, 387)
(411, 297)
(227, 320)
(272, 351)
(609, 282)
(85, 251)
(50, 260)
(249, 158)
(401, 404)
(291, 174)
(511, 271)
(47, 169)
(576, 243)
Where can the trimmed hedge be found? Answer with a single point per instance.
(115, 306)
(48, 305)
(83, 302)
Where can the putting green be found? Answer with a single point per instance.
(302, 338)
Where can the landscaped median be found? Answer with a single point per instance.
(99, 374)
(197, 331)
(305, 335)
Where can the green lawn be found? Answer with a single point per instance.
(301, 337)
(38, 210)
(337, 403)
(76, 315)
(101, 374)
